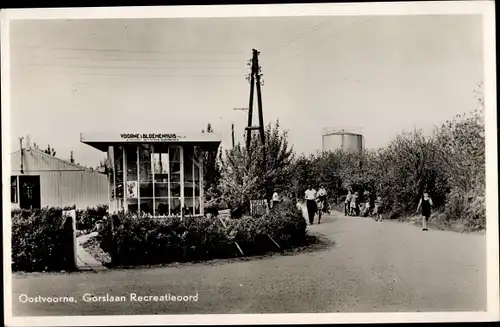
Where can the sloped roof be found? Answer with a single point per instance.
(36, 159)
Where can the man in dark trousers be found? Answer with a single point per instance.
(425, 204)
(310, 197)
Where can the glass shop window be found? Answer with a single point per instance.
(145, 174)
(111, 170)
(175, 164)
(161, 168)
(119, 171)
(176, 206)
(147, 206)
(197, 190)
(132, 185)
(162, 207)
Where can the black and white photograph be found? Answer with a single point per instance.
(250, 164)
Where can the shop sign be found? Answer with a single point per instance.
(151, 137)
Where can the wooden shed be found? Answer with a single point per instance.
(39, 180)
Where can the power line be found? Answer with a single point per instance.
(132, 67)
(132, 59)
(135, 50)
(301, 35)
(336, 33)
(148, 75)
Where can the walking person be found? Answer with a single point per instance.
(378, 210)
(365, 211)
(354, 204)
(322, 198)
(425, 204)
(310, 196)
(347, 203)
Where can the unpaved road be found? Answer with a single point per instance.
(373, 267)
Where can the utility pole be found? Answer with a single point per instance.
(232, 133)
(250, 102)
(21, 153)
(259, 103)
(255, 81)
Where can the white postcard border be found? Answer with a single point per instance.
(485, 8)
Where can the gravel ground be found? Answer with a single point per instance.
(372, 267)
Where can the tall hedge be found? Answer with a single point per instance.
(86, 219)
(449, 164)
(42, 240)
(145, 240)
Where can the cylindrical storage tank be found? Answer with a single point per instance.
(346, 139)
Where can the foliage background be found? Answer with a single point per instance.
(450, 164)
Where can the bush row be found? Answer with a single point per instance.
(450, 165)
(42, 240)
(86, 219)
(144, 240)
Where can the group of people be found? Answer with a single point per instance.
(354, 205)
(316, 203)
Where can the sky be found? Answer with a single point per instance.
(382, 74)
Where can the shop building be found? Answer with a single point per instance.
(156, 174)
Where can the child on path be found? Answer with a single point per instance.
(322, 198)
(379, 209)
(365, 211)
(425, 204)
(347, 203)
(354, 204)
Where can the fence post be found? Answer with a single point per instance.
(70, 231)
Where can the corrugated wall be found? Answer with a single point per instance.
(62, 183)
(66, 188)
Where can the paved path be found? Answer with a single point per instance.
(85, 261)
(373, 267)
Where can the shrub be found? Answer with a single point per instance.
(41, 240)
(86, 219)
(469, 207)
(145, 240)
(450, 165)
(243, 174)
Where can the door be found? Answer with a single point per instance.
(29, 192)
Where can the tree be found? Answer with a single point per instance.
(240, 178)
(211, 169)
(462, 148)
(243, 171)
(462, 157)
